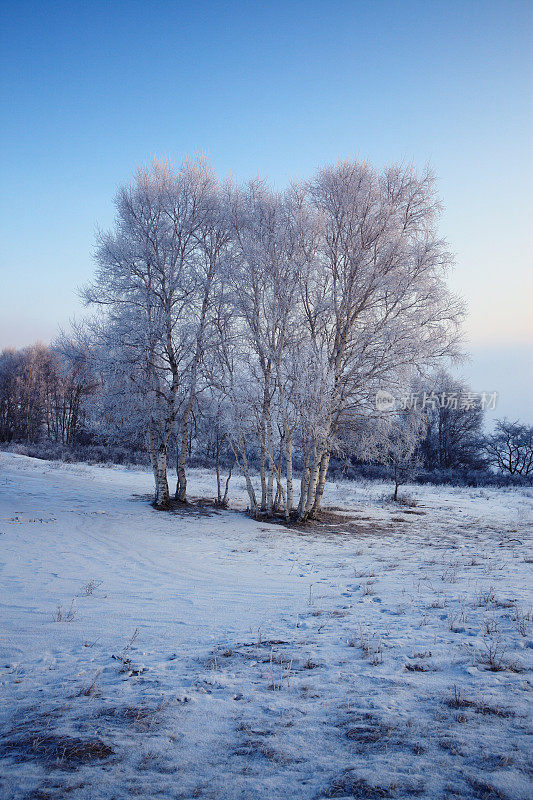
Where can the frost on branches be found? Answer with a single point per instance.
(285, 312)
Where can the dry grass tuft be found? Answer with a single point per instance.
(54, 750)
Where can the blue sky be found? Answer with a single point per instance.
(90, 90)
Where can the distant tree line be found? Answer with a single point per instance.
(43, 395)
(51, 402)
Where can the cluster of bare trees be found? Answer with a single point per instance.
(510, 448)
(285, 311)
(453, 433)
(42, 393)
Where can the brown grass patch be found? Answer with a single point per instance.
(54, 750)
(195, 506)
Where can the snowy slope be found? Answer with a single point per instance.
(151, 654)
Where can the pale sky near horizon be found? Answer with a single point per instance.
(90, 90)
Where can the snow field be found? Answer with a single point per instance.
(385, 653)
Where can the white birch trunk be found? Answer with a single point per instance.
(181, 487)
(288, 467)
(158, 458)
(242, 463)
(304, 482)
(162, 498)
(271, 464)
(324, 464)
(263, 472)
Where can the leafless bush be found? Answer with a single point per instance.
(522, 618)
(124, 659)
(453, 619)
(372, 647)
(490, 626)
(65, 616)
(493, 652)
(91, 690)
(407, 500)
(485, 598)
(458, 700)
(89, 588)
(285, 668)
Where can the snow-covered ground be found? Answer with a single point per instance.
(182, 655)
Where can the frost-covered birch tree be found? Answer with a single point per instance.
(267, 253)
(200, 323)
(153, 286)
(376, 303)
